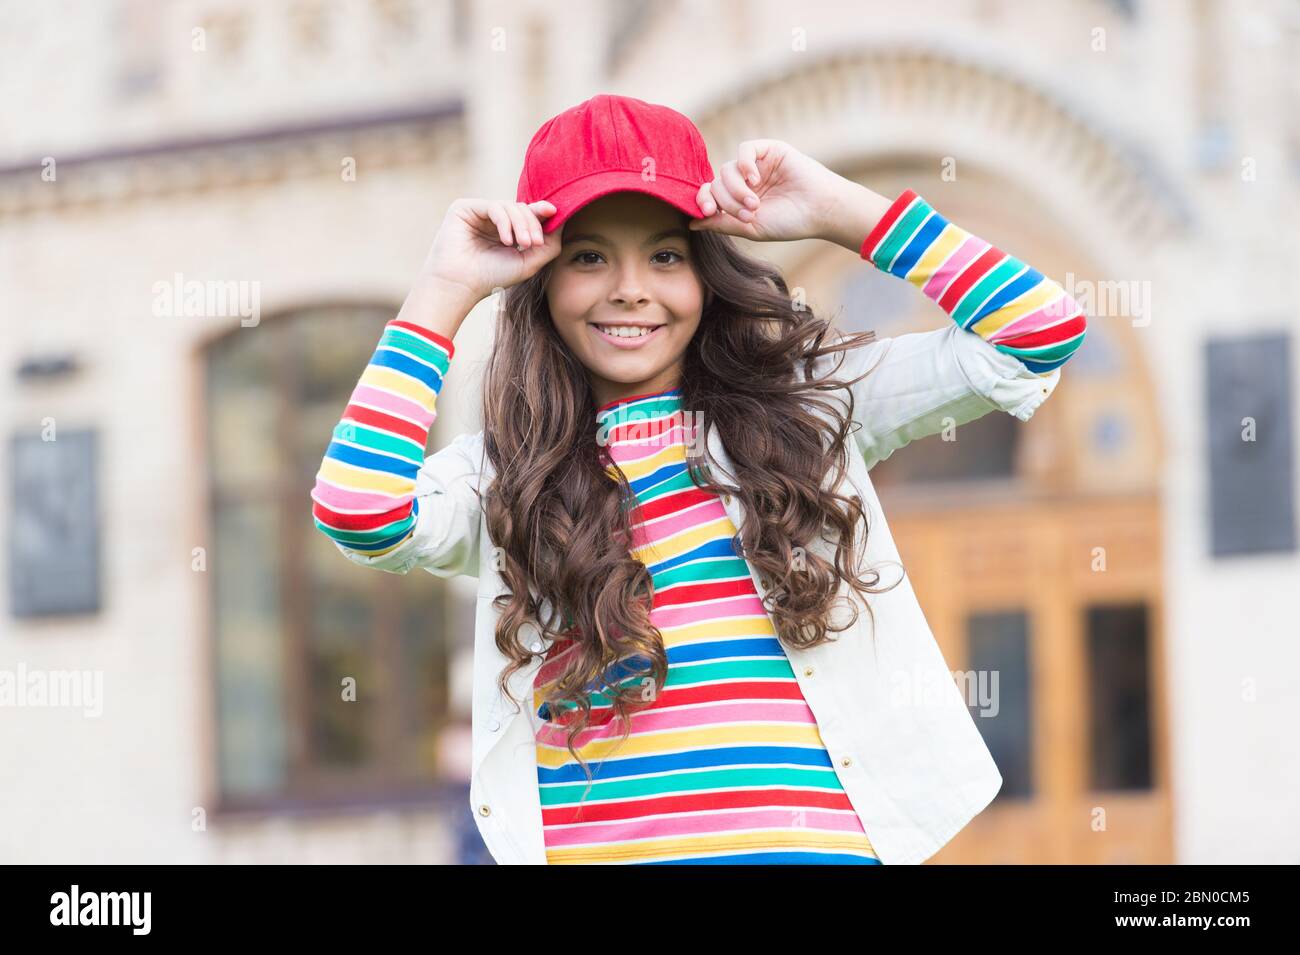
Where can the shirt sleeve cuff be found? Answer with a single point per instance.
(442, 341)
(1003, 380)
(881, 238)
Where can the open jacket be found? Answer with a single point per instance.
(892, 718)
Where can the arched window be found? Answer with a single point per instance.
(331, 679)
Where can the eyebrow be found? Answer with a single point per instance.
(678, 233)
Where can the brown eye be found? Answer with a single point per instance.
(670, 252)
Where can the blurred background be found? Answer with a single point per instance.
(209, 209)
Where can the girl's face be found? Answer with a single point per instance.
(624, 269)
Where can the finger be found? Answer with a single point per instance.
(495, 212)
(704, 199)
(735, 184)
(726, 199)
(534, 224)
(548, 249)
(542, 209)
(706, 225)
(723, 222)
(519, 219)
(748, 161)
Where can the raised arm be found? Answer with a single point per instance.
(377, 497)
(1012, 327)
(1012, 306)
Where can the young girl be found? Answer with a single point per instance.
(696, 693)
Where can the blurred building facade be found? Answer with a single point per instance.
(208, 210)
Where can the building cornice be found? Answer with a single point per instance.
(100, 178)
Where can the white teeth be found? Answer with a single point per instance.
(624, 331)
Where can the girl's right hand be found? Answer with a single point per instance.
(476, 245)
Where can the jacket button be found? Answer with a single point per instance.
(535, 646)
(726, 499)
(846, 761)
(764, 583)
(1044, 389)
(483, 810)
(807, 671)
(494, 725)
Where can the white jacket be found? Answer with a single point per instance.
(893, 720)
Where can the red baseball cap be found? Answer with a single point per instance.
(614, 144)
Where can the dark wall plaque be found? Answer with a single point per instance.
(54, 524)
(1251, 481)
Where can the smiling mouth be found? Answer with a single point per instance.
(626, 333)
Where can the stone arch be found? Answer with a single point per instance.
(943, 100)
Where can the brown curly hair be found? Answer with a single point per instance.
(561, 525)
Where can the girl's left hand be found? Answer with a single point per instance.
(771, 192)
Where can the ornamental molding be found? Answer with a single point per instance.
(924, 101)
(429, 137)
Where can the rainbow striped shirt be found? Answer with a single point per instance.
(726, 765)
(1013, 307)
(364, 498)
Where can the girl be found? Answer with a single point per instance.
(697, 693)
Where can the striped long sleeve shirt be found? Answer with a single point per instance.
(364, 497)
(726, 764)
(1012, 306)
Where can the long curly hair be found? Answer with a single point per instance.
(560, 520)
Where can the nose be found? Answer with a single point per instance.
(629, 288)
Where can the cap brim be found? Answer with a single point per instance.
(574, 195)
